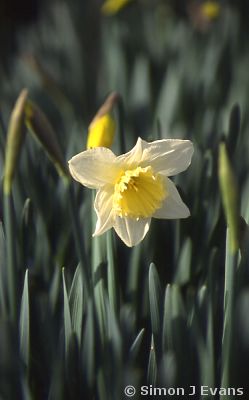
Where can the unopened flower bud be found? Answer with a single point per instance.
(15, 136)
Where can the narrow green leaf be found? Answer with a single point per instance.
(211, 364)
(168, 100)
(128, 322)
(88, 345)
(210, 358)
(167, 331)
(202, 297)
(103, 391)
(26, 392)
(152, 365)
(133, 276)
(3, 305)
(79, 242)
(228, 323)
(10, 234)
(111, 273)
(99, 276)
(183, 272)
(24, 323)
(67, 317)
(54, 291)
(168, 369)
(173, 318)
(155, 298)
(76, 303)
(140, 86)
(230, 197)
(57, 385)
(136, 345)
(72, 368)
(115, 337)
(178, 309)
(101, 311)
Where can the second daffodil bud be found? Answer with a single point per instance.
(15, 138)
(102, 129)
(38, 124)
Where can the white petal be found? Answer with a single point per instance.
(103, 208)
(173, 206)
(133, 157)
(94, 168)
(130, 230)
(167, 156)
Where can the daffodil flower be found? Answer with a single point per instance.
(134, 187)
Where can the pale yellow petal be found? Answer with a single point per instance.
(167, 156)
(94, 168)
(173, 206)
(103, 208)
(131, 231)
(132, 158)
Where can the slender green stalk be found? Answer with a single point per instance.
(155, 299)
(133, 277)
(79, 242)
(99, 277)
(211, 364)
(111, 273)
(2, 135)
(135, 347)
(152, 365)
(10, 255)
(67, 317)
(3, 299)
(24, 323)
(228, 324)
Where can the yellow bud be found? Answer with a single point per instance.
(40, 127)
(111, 7)
(15, 136)
(210, 9)
(229, 195)
(102, 129)
(101, 132)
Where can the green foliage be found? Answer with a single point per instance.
(83, 317)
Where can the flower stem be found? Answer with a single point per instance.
(11, 255)
(111, 273)
(79, 242)
(228, 324)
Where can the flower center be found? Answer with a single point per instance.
(138, 193)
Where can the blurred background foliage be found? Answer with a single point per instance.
(172, 311)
